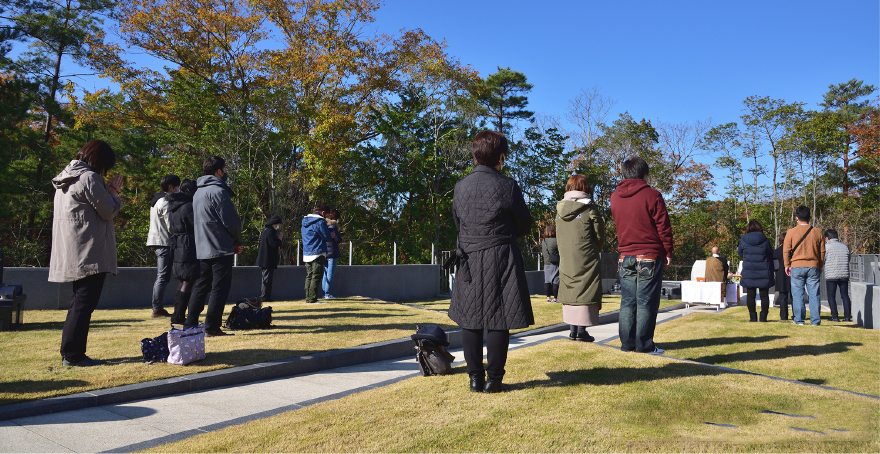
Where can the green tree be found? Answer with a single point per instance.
(844, 100)
(503, 96)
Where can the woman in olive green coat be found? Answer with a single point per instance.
(580, 232)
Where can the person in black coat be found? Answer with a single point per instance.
(758, 268)
(490, 290)
(268, 255)
(185, 265)
(783, 281)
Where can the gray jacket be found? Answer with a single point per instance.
(83, 236)
(217, 225)
(836, 260)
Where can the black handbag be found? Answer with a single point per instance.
(249, 315)
(431, 355)
(155, 350)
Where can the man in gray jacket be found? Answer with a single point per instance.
(218, 239)
(837, 274)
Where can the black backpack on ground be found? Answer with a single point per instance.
(431, 352)
(248, 314)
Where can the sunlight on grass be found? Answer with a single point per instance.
(32, 364)
(569, 397)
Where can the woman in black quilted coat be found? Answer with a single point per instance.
(185, 266)
(490, 290)
(758, 270)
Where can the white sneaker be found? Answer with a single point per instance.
(329, 297)
(657, 351)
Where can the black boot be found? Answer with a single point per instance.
(478, 381)
(763, 316)
(495, 386)
(181, 301)
(753, 316)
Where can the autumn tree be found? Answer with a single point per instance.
(844, 101)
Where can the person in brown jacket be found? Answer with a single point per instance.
(716, 271)
(804, 255)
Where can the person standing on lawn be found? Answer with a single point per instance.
(550, 253)
(644, 240)
(716, 267)
(837, 274)
(804, 255)
(332, 252)
(181, 223)
(84, 241)
(268, 255)
(315, 236)
(159, 238)
(490, 290)
(757, 273)
(581, 234)
(218, 239)
(783, 281)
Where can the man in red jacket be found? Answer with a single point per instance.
(644, 240)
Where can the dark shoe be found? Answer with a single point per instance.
(160, 313)
(493, 386)
(85, 362)
(585, 337)
(219, 333)
(572, 336)
(763, 317)
(848, 319)
(753, 316)
(478, 382)
(834, 319)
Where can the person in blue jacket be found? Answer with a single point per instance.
(758, 270)
(315, 236)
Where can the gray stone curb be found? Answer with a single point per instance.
(370, 353)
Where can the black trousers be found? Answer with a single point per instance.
(497, 342)
(75, 334)
(765, 299)
(784, 302)
(213, 285)
(551, 289)
(266, 288)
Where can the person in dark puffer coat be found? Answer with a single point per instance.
(268, 255)
(185, 265)
(758, 270)
(490, 289)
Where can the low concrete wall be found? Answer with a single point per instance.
(133, 287)
(865, 304)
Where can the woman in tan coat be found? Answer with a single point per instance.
(84, 241)
(580, 232)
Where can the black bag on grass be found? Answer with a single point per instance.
(155, 350)
(248, 314)
(430, 350)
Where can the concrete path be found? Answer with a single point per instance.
(147, 423)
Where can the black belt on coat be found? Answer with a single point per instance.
(471, 244)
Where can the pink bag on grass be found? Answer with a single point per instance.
(186, 345)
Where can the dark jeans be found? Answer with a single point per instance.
(75, 334)
(213, 284)
(314, 274)
(640, 282)
(784, 302)
(551, 289)
(163, 275)
(497, 342)
(266, 288)
(765, 299)
(832, 285)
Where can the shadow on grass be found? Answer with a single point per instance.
(37, 386)
(56, 326)
(621, 375)
(709, 341)
(277, 316)
(789, 351)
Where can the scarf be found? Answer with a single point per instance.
(577, 196)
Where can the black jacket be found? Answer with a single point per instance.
(183, 239)
(783, 281)
(757, 256)
(268, 254)
(490, 289)
(333, 244)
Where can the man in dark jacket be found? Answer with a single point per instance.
(218, 239)
(267, 255)
(644, 240)
(315, 237)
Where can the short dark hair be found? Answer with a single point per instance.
(550, 230)
(754, 226)
(188, 186)
(634, 167)
(831, 234)
(321, 208)
(578, 182)
(169, 180)
(212, 165)
(333, 214)
(802, 213)
(488, 147)
(98, 155)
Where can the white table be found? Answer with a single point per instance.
(716, 293)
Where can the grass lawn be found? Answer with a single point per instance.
(839, 355)
(570, 397)
(546, 314)
(31, 365)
